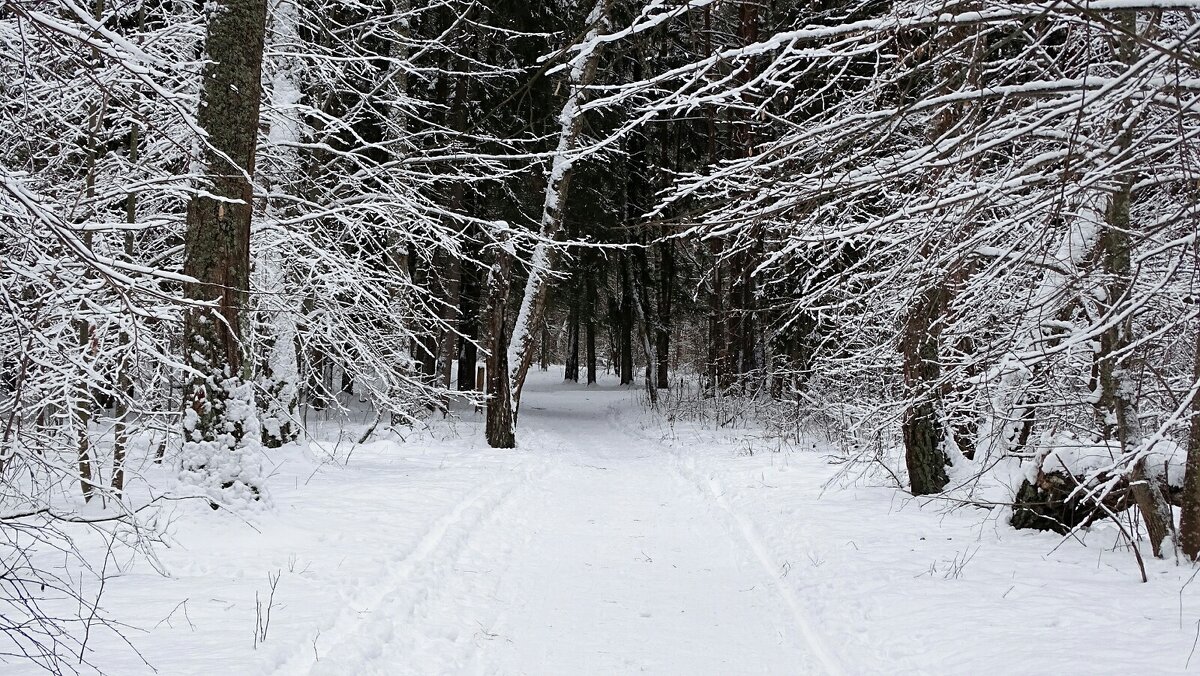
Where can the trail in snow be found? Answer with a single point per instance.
(605, 560)
(614, 541)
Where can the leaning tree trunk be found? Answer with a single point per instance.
(219, 403)
(582, 72)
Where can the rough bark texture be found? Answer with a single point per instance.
(922, 427)
(217, 250)
(500, 420)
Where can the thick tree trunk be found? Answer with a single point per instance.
(279, 377)
(922, 426)
(500, 419)
(217, 249)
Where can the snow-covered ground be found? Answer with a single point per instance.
(612, 543)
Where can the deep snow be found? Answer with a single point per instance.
(613, 542)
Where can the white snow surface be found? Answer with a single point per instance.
(614, 542)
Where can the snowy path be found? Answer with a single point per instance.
(606, 556)
(614, 541)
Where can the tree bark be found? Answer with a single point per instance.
(1116, 407)
(469, 326)
(571, 372)
(625, 323)
(922, 427)
(217, 249)
(1117, 404)
(500, 419)
(662, 331)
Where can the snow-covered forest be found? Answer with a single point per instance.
(599, 336)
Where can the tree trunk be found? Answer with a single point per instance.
(641, 305)
(124, 380)
(453, 271)
(662, 332)
(544, 347)
(625, 323)
(922, 426)
(217, 249)
(571, 372)
(469, 326)
(1116, 404)
(1189, 523)
(279, 376)
(590, 325)
(500, 419)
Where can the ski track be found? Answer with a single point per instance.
(359, 638)
(610, 544)
(741, 530)
(561, 566)
(608, 605)
(748, 534)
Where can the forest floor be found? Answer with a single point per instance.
(615, 542)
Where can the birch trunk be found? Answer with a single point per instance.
(280, 379)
